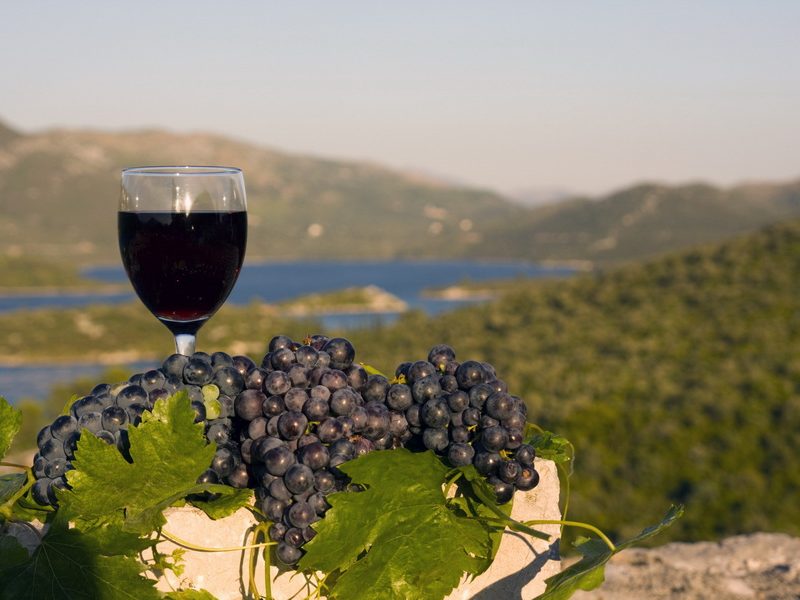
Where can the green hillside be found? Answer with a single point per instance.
(60, 191)
(677, 380)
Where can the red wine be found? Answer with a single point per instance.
(183, 266)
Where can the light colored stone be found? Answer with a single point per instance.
(519, 570)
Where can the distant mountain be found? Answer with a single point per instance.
(539, 196)
(642, 221)
(59, 191)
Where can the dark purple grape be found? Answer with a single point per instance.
(425, 388)
(348, 426)
(497, 385)
(229, 381)
(294, 535)
(459, 435)
(152, 380)
(257, 428)
(63, 426)
(220, 360)
(500, 406)
(277, 531)
(174, 365)
(273, 406)
(399, 397)
(316, 409)
(320, 391)
(469, 374)
(273, 508)
(324, 481)
(375, 389)
(420, 370)
(494, 438)
(503, 491)
(208, 476)
(344, 448)
(87, 404)
(218, 433)
(402, 370)
(114, 418)
(292, 424)
(377, 424)
(357, 377)
(525, 455)
(458, 401)
(306, 356)
(278, 460)
(55, 468)
(106, 436)
(248, 404)
(509, 470)
(363, 446)
(318, 503)
(341, 352)
(413, 415)
(440, 355)
(515, 439)
(199, 411)
(471, 416)
(397, 424)
(487, 422)
(488, 368)
(223, 462)
(478, 394)
(254, 380)
(282, 359)
(527, 480)
(515, 421)
(155, 395)
(315, 456)
(329, 430)
(435, 413)
(358, 418)
(323, 360)
(198, 371)
(39, 463)
(43, 435)
(334, 379)
(317, 341)
(343, 401)
(298, 375)
(460, 454)
(448, 383)
(486, 462)
(243, 364)
(41, 491)
(435, 439)
(277, 382)
(301, 515)
(298, 478)
(295, 399)
(93, 421)
(102, 390)
(306, 439)
(262, 445)
(279, 342)
(239, 477)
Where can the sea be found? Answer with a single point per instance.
(274, 282)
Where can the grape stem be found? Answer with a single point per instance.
(14, 465)
(190, 546)
(592, 528)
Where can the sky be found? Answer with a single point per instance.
(582, 96)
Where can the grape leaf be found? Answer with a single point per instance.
(589, 572)
(229, 501)
(10, 421)
(67, 566)
(10, 485)
(551, 446)
(12, 553)
(399, 535)
(169, 453)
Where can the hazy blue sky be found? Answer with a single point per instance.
(582, 95)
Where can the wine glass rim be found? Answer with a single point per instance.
(178, 170)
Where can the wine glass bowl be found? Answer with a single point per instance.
(182, 237)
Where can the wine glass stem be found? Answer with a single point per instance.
(185, 343)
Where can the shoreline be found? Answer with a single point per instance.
(55, 291)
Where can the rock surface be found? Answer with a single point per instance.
(760, 566)
(518, 572)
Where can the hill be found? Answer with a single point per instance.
(60, 190)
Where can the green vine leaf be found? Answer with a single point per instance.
(399, 535)
(68, 565)
(10, 485)
(589, 572)
(190, 595)
(229, 501)
(10, 421)
(551, 446)
(169, 453)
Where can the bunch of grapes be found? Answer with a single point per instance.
(285, 426)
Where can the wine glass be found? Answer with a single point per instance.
(182, 236)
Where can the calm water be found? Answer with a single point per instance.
(274, 282)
